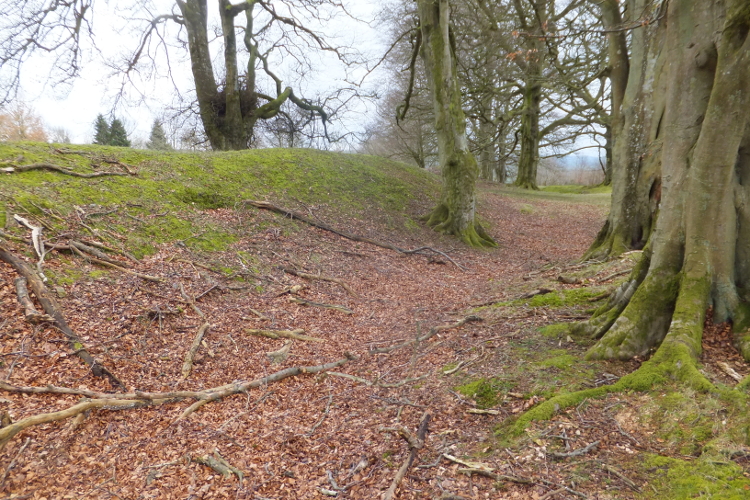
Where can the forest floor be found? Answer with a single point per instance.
(341, 434)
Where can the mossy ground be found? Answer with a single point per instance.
(177, 196)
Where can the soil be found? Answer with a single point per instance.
(314, 436)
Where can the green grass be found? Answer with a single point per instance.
(178, 186)
(577, 189)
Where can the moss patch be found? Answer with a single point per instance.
(676, 479)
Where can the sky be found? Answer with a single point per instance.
(75, 105)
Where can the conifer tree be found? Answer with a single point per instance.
(101, 131)
(158, 138)
(117, 134)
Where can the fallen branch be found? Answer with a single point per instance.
(32, 315)
(319, 277)
(731, 372)
(575, 453)
(220, 465)
(613, 275)
(534, 293)
(622, 477)
(415, 444)
(96, 253)
(305, 302)
(369, 383)
(125, 401)
(295, 216)
(56, 168)
(280, 355)
(433, 331)
(284, 334)
(13, 462)
(115, 266)
(53, 309)
(187, 365)
(477, 411)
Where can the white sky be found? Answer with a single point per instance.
(76, 108)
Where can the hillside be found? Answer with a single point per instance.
(380, 337)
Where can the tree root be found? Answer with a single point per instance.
(52, 308)
(126, 401)
(416, 443)
(433, 331)
(443, 221)
(284, 334)
(305, 302)
(319, 277)
(295, 216)
(55, 168)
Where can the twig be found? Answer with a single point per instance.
(13, 462)
(376, 383)
(285, 334)
(298, 300)
(322, 417)
(115, 266)
(415, 444)
(613, 275)
(624, 479)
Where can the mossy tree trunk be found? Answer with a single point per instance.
(699, 252)
(528, 160)
(636, 131)
(455, 213)
(230, 110)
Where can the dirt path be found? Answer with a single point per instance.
(307, 435)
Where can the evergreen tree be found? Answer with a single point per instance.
(117, 134)
(158, 138)
(101, 131)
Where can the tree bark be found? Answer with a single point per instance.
(636, 135)
(697, 255)
(455, 213)
(529, 158)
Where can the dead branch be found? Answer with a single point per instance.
(115, 266)
(433, 331)
(320, 278)
(415, 444)
(280, 355)
(477, 411)
(295, 216)
(187, 366)
(285, 334)
(220, 465)
(322, 417)
(613, 275)
(731, 372)
(13, 462)
(96, 253)
(52, 308)
(534, 293)
(305, 302)
(32, 315)
(575, 453)
(125, 401)
(55, 168)
(622, 477)
(370, 383)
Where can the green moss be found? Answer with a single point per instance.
(484, 391)
(561, 361)
(563, 298)
(526, 209)
(675, 479)
(577, 189)
(556, 330)
(97, 273)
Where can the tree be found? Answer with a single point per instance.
(638, 78)
(117, 134)
(101, 131)
(699, 253)
(455, 213)
(158, 138)
(233, 91)
(21, 123)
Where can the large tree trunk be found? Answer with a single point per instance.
(698, 254)
(455, 214)
(529, 158)
(636, 137)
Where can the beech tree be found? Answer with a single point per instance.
(699, 253)
(229, 89)
(455, 213)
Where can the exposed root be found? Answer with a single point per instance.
(55, 168)
(443, 221)
(53, 309)
(319, 277)
(126, 401)
(433, 331)
(295, 216)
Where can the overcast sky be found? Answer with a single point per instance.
(75, 106)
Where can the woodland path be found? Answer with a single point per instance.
(306, 435)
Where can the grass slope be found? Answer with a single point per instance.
(175, 185)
